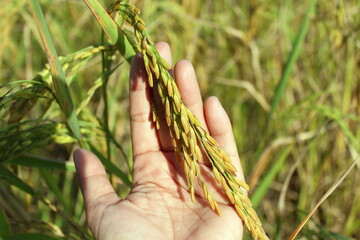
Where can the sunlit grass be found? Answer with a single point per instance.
(241, 51)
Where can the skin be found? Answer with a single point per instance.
(159, 205)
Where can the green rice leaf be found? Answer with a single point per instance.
(14, 180)
(60, 86)
(111, 29)
(43, 163)
(337, 116)
(111, 167)
(280, 88)
(264, 186)
(5, 228)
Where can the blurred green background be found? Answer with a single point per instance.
(287, 73)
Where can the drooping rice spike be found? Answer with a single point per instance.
(187, 132)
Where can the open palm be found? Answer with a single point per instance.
(159, 205)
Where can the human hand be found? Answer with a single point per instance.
(159, 205)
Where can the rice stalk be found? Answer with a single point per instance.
(185, 130)
(324, 197)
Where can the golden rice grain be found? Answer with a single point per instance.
(186, 130)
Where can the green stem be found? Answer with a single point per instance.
(280, 88)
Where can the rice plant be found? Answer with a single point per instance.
(286, 72)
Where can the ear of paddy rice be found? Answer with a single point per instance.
(186, 130)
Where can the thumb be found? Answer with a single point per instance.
(95, 186)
